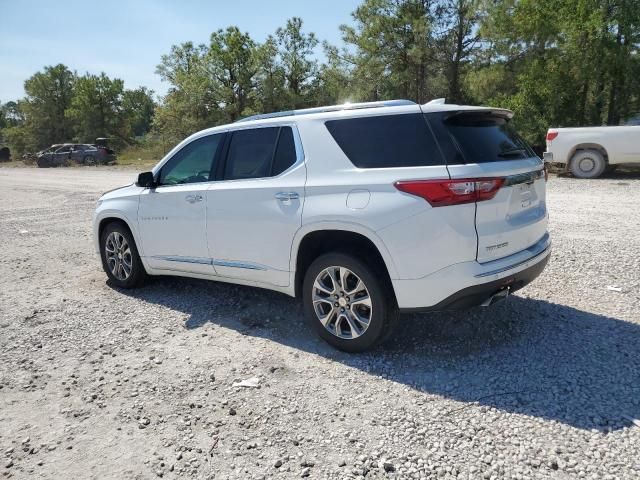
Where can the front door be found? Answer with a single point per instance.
(172, 216)
(255, 209)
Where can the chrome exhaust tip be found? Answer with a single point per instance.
(496, 297)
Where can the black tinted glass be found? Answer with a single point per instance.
(478, 138)
(386, 141)
(193, 163)
(285, 152)
(250, 153)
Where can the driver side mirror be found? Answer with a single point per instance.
(146, 180)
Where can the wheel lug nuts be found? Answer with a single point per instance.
(335, 304)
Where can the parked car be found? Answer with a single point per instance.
(361, 210)
(81, 153)
(588, 152)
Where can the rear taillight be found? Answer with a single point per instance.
(551, 135)
(440, 193)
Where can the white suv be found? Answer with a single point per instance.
(362, 210)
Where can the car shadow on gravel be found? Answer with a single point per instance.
(523, 356)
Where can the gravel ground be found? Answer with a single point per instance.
(101, 383)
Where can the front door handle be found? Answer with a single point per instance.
(287, 196)
(193, 198)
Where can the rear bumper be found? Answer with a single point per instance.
(471, 283)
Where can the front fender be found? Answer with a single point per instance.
(130, 219)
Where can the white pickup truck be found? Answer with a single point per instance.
(588, 152)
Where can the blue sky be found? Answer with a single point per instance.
(126, 39)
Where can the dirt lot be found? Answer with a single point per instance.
(101, 383)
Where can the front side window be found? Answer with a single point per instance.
(193, 163)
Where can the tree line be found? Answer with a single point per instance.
(554, 62)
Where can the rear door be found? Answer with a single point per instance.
(255, 207)
(483, 144)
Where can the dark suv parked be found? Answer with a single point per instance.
(81, 153)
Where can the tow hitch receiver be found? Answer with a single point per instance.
(496, 297)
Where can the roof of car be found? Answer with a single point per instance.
(437, 105)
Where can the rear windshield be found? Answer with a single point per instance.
(386, 141)
(478, 137)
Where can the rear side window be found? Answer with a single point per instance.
(285, 153)
(259, 153)
(386, 141)
(478, 137)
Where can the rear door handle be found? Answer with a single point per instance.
(287, 196)
(193, 198)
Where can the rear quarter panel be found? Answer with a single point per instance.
(417, 239)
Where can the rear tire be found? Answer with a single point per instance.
(347, 302)
(89, 160)
(120, 259)
(587, 164)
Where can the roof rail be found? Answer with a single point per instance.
(332, 108)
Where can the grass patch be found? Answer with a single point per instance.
(141, 156)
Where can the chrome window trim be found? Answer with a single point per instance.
(297, 140)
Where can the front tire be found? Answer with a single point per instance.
(587, 164)
(348, 303)
(120, 259)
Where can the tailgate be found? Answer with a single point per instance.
(482, 144)
(514, 219)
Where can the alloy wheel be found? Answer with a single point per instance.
(118, 254)
(341, 302)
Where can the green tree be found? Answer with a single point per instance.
(138, 107)
(97, 108)
(393, 53)
(457, 40)
(300, 69)
(191, 103)
(231, 65)
(48, 97)
(270, 93)
(564, 62)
